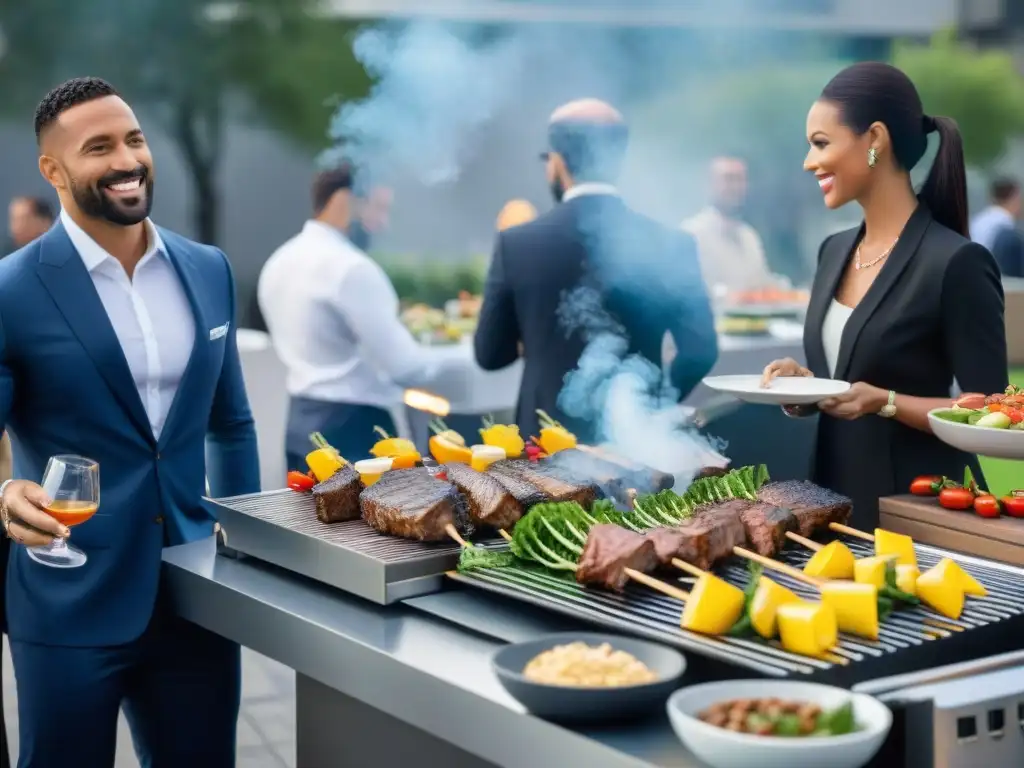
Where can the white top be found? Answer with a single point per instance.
(987, 225)
(589, 188)
(731, 251)
(333, 317)
(150, 314)
(832, 332)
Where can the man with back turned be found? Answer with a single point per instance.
(647, 276)
(117, 342)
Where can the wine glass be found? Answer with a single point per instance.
(73, 485)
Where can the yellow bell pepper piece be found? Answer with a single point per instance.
(713, 607)
(505, 436)
(370, 470)
(324, 461)
(404, 460)
(809, 629)
(870, 570)
(940, 588)
(906, 578)
(553, 436)
(889, 543)
(447, 451)
(764, 606)
(971, 586)
(392, 446)
(833, 561)
(856, 606)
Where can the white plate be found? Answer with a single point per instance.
(984, 441)
(720, 748)
(785, 390)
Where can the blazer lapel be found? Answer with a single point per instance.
(64, 275)
(826, 281)
(909, 242)
(190, 280)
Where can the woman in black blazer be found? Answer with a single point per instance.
(902, 305)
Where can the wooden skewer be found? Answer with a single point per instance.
(686, 567)
(839, 528)
(775, 565)
(450, 530)
(811, 545)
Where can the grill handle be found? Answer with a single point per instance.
(887, 687)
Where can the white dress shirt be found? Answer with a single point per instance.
(150, 314)
(589, 188)
(333, 317)
(989, 224)
(731, 251)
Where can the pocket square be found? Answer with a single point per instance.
(219, 331)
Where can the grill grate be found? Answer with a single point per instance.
(297, 512)
(911, 638)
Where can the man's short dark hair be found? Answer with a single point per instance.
(592, 151)
(326, 183)
(67, 95)
(41, 207)
(1003, 190)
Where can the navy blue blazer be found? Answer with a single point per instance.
(647, 276)
(65, 387)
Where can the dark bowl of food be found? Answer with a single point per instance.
(778, 724)
(588, 676)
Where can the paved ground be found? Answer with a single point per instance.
(266, 728)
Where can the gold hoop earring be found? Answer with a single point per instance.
(872, 157)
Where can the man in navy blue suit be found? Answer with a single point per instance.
(117, 342)
(644, 277)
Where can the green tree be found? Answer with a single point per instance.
(189, 61)
(982, 90)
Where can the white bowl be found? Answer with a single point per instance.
(720, 748)
(984, 441)
(784, 390)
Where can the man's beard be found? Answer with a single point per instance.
(94, 203)
(557, 190)
(359, 235)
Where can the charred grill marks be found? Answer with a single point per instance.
(490, 502)
(814, 507)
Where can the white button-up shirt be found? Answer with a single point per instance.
(150, 314)
(731, 251)
(333, 317)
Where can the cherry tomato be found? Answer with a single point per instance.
(972, 401)
(986, 505)
(300, 481)
(926, 485)
(1014, 504)
(1016, 415)
(956, 498)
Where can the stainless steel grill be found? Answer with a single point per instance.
(281, 527)
(910, 639)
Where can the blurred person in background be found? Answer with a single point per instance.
(333, 317)
(118, 344)
(902, 305)
(27, 219)
(647, 275)
(731, 252)
(996, 227)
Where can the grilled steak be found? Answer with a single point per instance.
(412, 504)
(766, 527)
(616, 476)
(490, 502)
(554, 483)
(609, 551)
(711, 472)
(525, 493)
(815, 507)
(337, 497)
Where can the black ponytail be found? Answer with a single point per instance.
(945, 189)
(872, 92)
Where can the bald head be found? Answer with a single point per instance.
(588, 140)
(587, 111)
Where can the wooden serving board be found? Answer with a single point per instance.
(925, 521)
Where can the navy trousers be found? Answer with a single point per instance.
(179, 686)
(346, 426)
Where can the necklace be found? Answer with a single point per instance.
(858, 264)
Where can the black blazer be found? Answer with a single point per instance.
(934, 313)
(647, 276)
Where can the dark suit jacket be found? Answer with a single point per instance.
(1008, 250)
(934, 313)
(647, 276)
(65, 387)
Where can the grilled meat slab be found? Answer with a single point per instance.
(555, 484)
(414, 505)
(609, 551)
(337, 497)
(490, 502)
(525, 493)
(766, 527)
(815, 507)
(616, 476)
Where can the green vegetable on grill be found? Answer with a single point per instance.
(743, 626)
(671, 508)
